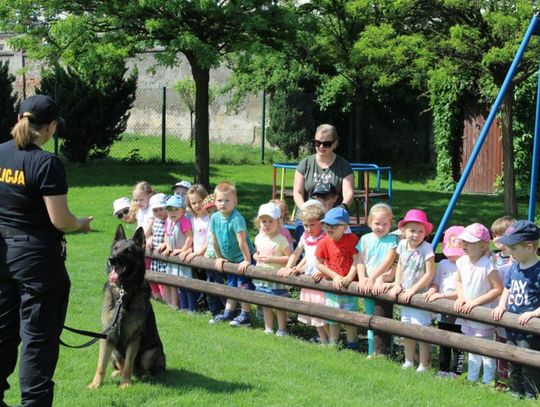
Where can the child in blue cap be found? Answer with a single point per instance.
(337, 256)
(521, 296)
(178, 239)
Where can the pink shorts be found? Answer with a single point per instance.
(315, 297)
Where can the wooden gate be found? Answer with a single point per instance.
(488, 165)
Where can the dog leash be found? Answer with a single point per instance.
(95, 335)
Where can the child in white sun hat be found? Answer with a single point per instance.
(273, 251)
(121, 207)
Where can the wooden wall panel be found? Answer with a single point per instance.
(488, 164)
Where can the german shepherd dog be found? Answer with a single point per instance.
(133, 342)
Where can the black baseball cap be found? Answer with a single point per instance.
(324, 189)
(43, 108)
(520, 231)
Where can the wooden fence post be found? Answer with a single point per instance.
(382, 342)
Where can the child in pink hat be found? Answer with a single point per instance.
(477, 283)
(414, 273)
(444, 286)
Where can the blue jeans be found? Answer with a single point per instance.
(240, 282)
(188, 299)
(215, 304)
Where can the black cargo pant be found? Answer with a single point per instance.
(524, 380)
(34, 291)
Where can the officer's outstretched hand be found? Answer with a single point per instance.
(85, 224)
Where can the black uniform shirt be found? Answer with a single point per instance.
(26, 176)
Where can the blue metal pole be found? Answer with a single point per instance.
(536, 147)
(483, 134)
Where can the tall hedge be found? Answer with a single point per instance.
(293, 121)
(8, 102)
(95, 116)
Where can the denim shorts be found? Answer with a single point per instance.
(344, 302)
(415, 316)
(239, 282)
(280, 292)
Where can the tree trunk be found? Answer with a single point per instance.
(509, 179)
(201, 76)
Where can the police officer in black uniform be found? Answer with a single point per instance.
(34, 284)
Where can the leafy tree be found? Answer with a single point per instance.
(350, 54)
(186, 89)
(95, 116)
(204, 31)
(9, 105)
(478, 40)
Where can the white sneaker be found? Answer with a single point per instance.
(268, 331)
(421, 369)
(281, 332)
(407, 365)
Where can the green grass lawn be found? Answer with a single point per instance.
(221, 366)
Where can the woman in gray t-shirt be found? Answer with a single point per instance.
(324, 167)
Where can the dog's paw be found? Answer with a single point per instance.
(125, 385)
(94, 385)
(116, 373)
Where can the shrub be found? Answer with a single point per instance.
(9, 105)
(292, 122)
(95, 116)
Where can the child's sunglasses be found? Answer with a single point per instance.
(122, 213)
(325, 144)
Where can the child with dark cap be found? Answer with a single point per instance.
(521, 296)
(326, 194)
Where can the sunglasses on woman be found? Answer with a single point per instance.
(122, 213)
(325, 144)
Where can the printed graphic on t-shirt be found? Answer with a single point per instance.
(518, 294)
(524, 288)
(323, 177)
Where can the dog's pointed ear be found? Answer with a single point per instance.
(120, 234)
(138, 237)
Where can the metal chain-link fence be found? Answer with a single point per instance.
(159, 116)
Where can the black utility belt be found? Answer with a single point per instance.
(16, 235)
(11, 233)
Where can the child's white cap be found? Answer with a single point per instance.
(270, 209)
(157, 201)
(182, 184)
(312, 202)
(121, 204)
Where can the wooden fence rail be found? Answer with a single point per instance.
(377, 323)
(443, 306)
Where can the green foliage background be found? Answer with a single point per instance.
(96, 112)
(9, 105)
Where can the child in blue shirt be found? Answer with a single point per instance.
(377, 253)
(521, 296)
(231, 243)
